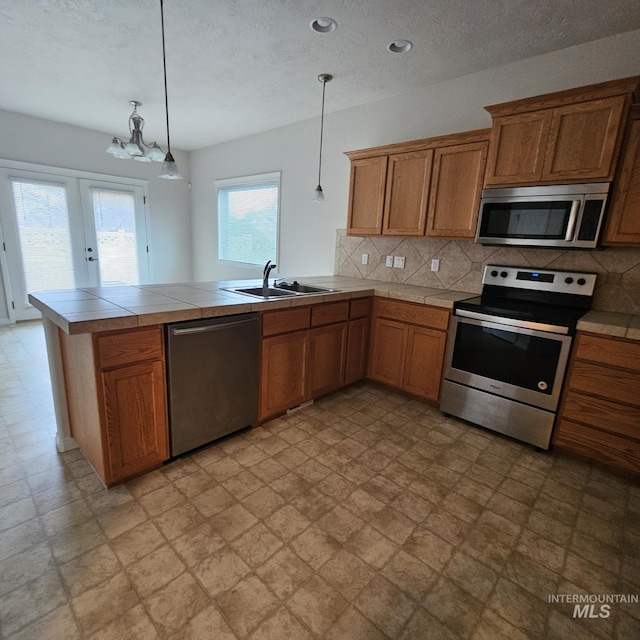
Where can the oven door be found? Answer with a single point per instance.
(522, 364)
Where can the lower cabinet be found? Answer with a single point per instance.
(357, 350)
(116, 391)
(423, 362)
(327, 350)
(308, 352)
(135, 418)
(408, 346)
(283, 372)
(599, 417)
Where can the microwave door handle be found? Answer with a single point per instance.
(573, 216)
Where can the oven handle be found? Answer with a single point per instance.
(525, 324)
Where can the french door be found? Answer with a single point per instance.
(63, 232)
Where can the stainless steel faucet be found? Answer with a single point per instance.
(268, 268)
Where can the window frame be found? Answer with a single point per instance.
(249, 181)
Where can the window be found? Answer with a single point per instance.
(248, 213)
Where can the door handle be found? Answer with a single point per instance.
(92, 259)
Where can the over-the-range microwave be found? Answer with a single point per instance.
(544, 216)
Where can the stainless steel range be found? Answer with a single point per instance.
(508, 349)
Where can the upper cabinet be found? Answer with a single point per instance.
(564, 137)
(623, 224)
(424, 187)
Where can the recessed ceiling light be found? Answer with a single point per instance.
(400, 46)
(323, 25)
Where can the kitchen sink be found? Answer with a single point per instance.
(280, 290)
(301, 288)
(260, 292)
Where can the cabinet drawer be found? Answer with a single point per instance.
(614, 384)
(274, 322)
(360, 308)
(615, 451)
(424, 315)
(617, 353)
(603, 414)
(118, 349)
(329, 313)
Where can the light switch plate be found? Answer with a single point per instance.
(435, 265)
(398, 262)
(389, 262)
(365, 258)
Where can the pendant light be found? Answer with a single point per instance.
(318, 194)
(169, 169)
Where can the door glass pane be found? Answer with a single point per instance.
(42, 217)
(114, 215)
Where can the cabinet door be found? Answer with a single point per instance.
(405, 207)
(135, 419)
(583, 139)
(366, 196)
(327, 352)
(357, 350)
(456, 183)
(624, 214)
(283, 375)
(517, 146)
(424, 361)
(389, 348)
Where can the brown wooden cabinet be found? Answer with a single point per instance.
(599, 418)
(135, 418)
(456, 184)
(435, 179)
(408, 345)
(623, 224)
(407, 193)
(283, 372)
(564, 137)
(366, 195)
(327, 353)
(389, 351)
(308, 352)
(424, 361)
(357, 356)
(116, 393)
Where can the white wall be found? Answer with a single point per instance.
(50, 143)
(308, 228)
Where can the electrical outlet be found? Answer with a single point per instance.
(365, 258)
(435, 265)
(398, 262)
(389, 262)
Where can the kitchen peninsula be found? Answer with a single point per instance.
(107, 353)
(107, 356)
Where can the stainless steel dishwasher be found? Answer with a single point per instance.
(212, 375)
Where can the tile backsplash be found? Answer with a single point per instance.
(462, 263)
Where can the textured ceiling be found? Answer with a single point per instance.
(237, 67)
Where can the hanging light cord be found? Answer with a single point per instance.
(164, 65)
(324, 86)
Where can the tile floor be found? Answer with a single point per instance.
(366, 516)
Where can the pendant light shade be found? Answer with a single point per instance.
(318, 194)
(169, 169)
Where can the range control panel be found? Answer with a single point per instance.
(574, 282)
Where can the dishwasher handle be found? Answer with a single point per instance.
(211, 327)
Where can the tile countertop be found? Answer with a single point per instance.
(90, 310)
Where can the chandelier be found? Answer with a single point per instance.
(136, 148)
